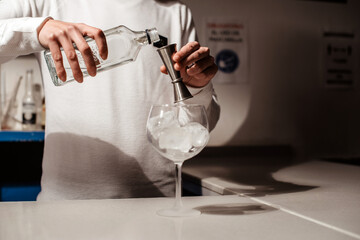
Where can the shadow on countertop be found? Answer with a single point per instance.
(248, 169)
(235, 209)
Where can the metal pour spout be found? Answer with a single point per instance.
(180, 90)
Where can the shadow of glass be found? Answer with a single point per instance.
(235, 209)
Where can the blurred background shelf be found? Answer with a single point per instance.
(21, 136)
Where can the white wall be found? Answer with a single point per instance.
(285, 100)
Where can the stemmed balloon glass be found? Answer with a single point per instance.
(178, 132)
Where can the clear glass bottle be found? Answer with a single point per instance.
(28, 104)
(123, 43)
(38, 103)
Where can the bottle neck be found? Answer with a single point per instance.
(142, 39)
(148, 36)
(152, 35)
(29, 83)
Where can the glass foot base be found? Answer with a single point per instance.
(183, 212)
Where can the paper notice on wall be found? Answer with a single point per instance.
(339, 57)
(227, 40)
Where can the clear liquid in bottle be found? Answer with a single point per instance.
(123, 43)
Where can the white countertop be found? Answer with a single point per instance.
(319, 192)
(313, 200)
(223, 217)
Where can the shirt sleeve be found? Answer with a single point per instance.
(18, 30)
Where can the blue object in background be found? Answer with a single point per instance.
(21, 136)
(227, 61)
(19, 192)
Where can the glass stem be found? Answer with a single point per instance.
(178, 202)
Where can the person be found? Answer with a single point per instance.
(95, 140)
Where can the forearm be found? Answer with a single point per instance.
(19, 36)
(201, 95)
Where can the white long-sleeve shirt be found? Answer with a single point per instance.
(95, 138)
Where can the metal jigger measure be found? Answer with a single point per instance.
(180, 90)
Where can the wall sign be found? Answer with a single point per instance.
(339, 57)
(227, 40)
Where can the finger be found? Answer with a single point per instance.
(70, 53)
(200, 66)
(207, 74)
(99, 37)
(58, 60)
(163, 69)
(203, 78)
(85, 51)
(186, 51)
(199, 54)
